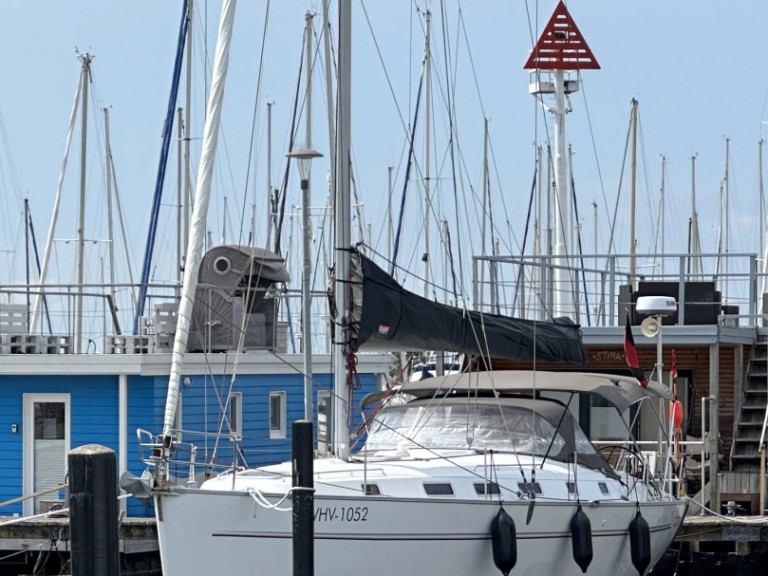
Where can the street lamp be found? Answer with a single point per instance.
(304, 157)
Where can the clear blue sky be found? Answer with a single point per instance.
(697, 69)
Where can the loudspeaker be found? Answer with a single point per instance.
(650, 327)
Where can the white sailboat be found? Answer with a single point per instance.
(475, 473)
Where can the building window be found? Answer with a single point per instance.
(236, 415)
(277, 414)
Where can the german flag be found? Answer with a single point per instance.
(630, 352)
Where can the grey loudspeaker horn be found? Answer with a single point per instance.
(650, 327)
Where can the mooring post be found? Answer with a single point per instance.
(303, 500)
(93, 511)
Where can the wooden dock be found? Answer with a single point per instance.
(26, 543)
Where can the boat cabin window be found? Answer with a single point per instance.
(502, 427)
(438, 489)
(487, 488)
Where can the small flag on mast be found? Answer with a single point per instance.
(630, 352)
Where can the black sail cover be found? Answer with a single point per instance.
(385, 316)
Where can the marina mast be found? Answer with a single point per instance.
(560, 50)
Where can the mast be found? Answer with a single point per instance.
(763, 239)
(483, 251)
(270, 215)
(306, 287)
(80, 266)
(200, 213)
(187, 126)
(694, 243)
(55, 213)
(632, 196)
(662, 211)
(560, 48)
(110, 218)
(26, 257)
(390, 226)
(427, 129)
(340, 411)
(179, 192)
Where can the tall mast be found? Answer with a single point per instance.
(662, 211)
(55, 213)
(484, 211)
(342, 233)
(694, 247)
(761, 199)
(85, 59)
(179, 193)
(560, 48)
(270, 215)
(110, 218)
(187, 126)
(632, 196)
(199, 216)
(427, 130)
(306, 328)
(26, 258)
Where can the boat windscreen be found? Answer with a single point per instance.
(468, 426)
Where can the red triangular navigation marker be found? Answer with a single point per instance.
(561, 46)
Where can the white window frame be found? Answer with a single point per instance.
(276, 433)
(236, 415)
(28, 432)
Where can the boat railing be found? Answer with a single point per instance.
(642, 459)
(600, 286)
(212, 453)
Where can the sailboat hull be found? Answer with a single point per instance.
(228, 531)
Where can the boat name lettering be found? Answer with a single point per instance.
(608, 356)
(341, 514)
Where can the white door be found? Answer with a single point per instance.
(46, 445)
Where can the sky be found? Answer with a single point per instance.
(696, 69)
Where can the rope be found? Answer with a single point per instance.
(262, 501)
(33, 495)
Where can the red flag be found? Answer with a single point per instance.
(630, 352)
(673, 370)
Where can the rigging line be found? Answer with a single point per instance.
(403, 123)
(11, 164)
(580, 250)
(37, 263)
(170, 112)
(582, 84)
(646, 177)
(254, 122)
(471, 61)
(521, 269)
(451, 111)
(406, 180)
(618, 193)
(294, 129)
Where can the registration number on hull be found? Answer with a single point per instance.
(341, 514)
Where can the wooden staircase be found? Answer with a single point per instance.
(745, 456)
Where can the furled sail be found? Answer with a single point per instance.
(385, 316)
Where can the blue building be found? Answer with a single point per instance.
(52, 403)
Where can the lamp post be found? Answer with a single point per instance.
(304, 157)
(657, 307)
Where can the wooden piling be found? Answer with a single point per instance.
(303, 499)
(93, 511)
